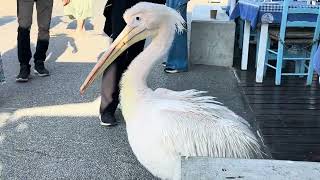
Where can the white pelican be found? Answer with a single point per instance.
(163, 125)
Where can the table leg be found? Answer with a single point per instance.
(245, 46)
(262, 52)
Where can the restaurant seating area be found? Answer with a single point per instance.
(262, 16)
(286, 108)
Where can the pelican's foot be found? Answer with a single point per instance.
(107, 120)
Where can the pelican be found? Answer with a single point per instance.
(164, 125)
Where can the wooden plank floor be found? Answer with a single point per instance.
(288, 115)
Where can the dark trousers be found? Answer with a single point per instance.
(111, 78)
(112, 75)
(24, 13)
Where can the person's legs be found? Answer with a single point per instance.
(110, 91)
(24, 14)
(178, 54)
(44, 12)
(110, 83)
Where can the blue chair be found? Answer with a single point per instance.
(300, 34)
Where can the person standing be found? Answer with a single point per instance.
(79, 10)
(177, 60)
(24, 13)
(114, 24)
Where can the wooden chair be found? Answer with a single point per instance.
(292, 34)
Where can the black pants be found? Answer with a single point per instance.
(24, 13)
(112, 75)
(111, 78)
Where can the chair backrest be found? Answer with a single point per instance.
(291, 10)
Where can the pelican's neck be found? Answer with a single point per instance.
(134, 87)
(138, 71)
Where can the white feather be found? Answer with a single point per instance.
(164, 125)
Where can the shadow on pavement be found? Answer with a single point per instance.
(6, 19)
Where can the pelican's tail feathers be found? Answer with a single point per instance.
(236, 140)
(192, 93)
(205, 99)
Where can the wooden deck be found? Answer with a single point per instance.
(288, 115)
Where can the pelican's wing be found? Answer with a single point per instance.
(203, 129)
(191, 101)
(186, 95)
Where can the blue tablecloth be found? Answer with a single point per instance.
(316, 61)
(268, 12)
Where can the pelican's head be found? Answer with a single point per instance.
(143, 20)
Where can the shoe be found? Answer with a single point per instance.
(108, 120)
(164, 64)
(40, 69)
(24, 73)
(171, 70)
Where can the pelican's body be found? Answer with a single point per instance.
(164, 125)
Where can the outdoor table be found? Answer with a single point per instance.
(230, 6)
(264, 13)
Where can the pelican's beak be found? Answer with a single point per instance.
(128, 37)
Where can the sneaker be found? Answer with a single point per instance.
(171, 70)
(40, 70)
(164, 64)
(24, 73)
(108, 120)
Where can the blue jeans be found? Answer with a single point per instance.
(178, 54)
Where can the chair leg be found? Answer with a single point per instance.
(241, 27)
(279, 64)
(297, 66)
(257, 46)
(310, 74)
(302, 68)
(267, 58)
(310, 68)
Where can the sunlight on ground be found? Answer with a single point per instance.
(4, 118)
(65, 44)
(66, 110)
(89, 109)
(78, 48)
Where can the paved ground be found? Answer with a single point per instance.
(49, 131)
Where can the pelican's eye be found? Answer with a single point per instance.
(138, 18)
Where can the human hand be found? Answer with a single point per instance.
(65, 2)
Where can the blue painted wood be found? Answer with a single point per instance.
(303, 11)
(301, 24)
(313, 50)
(281, 52)
(267, 57)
